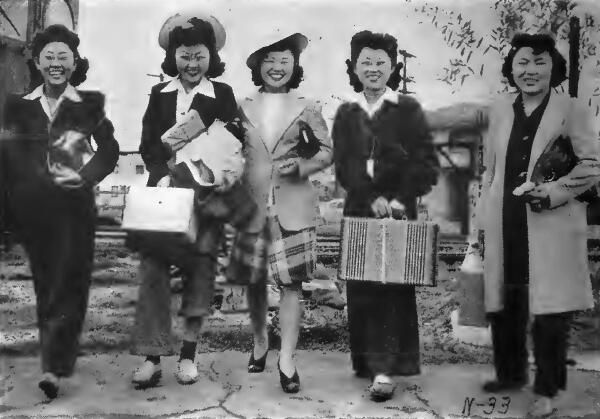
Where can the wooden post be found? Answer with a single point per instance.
(574, 28)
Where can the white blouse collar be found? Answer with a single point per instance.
(205, 87)
(360, 99)
(38, 93)
(70, 93)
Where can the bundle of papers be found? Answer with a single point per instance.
(215, 147)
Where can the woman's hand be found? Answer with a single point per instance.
(164, 182)
(381, 208)
(397, 209)
(538, 197)
(289, 167)
(64, 176)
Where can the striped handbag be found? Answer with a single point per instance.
(388, 251)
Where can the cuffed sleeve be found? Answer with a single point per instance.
(586, 172)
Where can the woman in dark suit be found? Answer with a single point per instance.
(51, 201)
(191, 45)
(385, 160)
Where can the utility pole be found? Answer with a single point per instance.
(405, 79)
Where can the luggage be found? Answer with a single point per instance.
(389, 251)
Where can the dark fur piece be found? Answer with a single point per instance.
(406, 165)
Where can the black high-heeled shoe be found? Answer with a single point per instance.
(289, 385)
(257, 365)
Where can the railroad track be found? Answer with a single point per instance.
(451, 248)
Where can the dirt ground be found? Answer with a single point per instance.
(114, 293)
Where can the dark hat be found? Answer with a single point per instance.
(185, 21)
(296, 41)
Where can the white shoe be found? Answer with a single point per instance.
(49, 385)
(382, 388)
(147, 375)
(187, 373)
(541, 407)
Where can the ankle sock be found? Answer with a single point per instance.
(188, 350)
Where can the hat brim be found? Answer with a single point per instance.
(297, 41)
(183, 21)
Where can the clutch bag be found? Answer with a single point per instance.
(556, 161)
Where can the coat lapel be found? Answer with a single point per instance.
(253, 107)
(502, 133)
(295, 106)
(251, 111)
(169, 106)
(549, 125)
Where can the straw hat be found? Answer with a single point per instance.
(183, 21)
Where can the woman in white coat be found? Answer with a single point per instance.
(535, 230)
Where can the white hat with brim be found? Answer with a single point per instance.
(183, 21)
(297, 40)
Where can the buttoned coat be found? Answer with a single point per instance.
(294, 199)
(559, 279)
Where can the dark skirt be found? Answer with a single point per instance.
(384, 329)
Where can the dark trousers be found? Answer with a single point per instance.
(384, 328)
(58, 234)
(550, 338)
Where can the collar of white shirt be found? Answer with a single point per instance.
(70, 93)
(205, 87)
(360, 99)
(38, 93)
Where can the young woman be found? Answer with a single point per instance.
(535, 242)
(51, 202)
(192, 58)
(385, 160)
(287, 141)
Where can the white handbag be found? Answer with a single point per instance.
(164, 216)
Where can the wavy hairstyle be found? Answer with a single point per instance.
(368, 39)
(200, 33)
(298, 72)
(57, 33)
(540, 43)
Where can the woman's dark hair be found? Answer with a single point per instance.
(57, 33)
(368, 39)
(298, 72)
(540, 43)
(200, 33)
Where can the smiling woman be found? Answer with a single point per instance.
(52, 201)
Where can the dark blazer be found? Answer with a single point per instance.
(405, 163)
(24, 144)
(160, 116)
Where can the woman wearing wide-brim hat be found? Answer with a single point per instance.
(191, 44)
(286, 141)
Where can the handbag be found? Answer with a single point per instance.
(160, 220)
(557, 160)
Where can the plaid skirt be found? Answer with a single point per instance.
(273, 255)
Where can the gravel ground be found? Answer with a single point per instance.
(114, 293)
